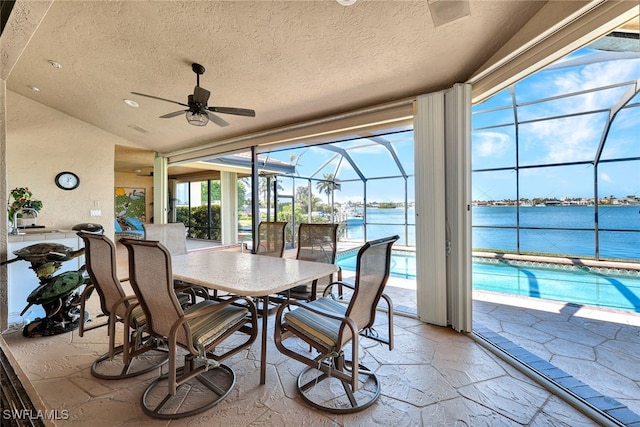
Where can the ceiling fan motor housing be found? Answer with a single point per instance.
(197, 68)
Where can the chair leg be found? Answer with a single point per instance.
(127, 360)
(318, 386)
(114, 368)
(167, 395)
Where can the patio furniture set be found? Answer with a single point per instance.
(190, 305)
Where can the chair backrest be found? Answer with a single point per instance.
(135, 223)
(317, 242)
(173, 236)
(372, 271)
(100, 260)
(271, 239)
(151, 278)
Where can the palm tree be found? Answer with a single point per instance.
(263, 186)
(328, 186)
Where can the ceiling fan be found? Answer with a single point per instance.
(197, 112)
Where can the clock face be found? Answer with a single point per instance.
(67, 180)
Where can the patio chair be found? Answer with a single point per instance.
(271, 242)
(100, 256)
(271, 239)
(328, 325)
(173, 236)
(318, 243)
(202, 381)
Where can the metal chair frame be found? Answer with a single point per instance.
(347, 317)
(100, 257)
(271, 239)
(318, 243)
(149, 272)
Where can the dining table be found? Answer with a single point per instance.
(248, 275)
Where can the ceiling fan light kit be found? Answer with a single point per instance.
(197, 112)
(197, 119)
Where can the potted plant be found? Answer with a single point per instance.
(21, 203)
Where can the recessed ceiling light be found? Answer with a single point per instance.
(33, 88)
(131, 103)
(346, 2)
(55, 64)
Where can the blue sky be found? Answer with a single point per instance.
(564, 139)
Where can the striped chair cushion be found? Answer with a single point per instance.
(320, 328)
(206, 329)
(137, 314)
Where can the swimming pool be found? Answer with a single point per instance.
(595, 286)
(403, 263)
(600, 287)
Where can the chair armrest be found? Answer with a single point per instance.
(339, 283)
(321, 312)
(122, 301)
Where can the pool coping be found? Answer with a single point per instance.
(578, 262)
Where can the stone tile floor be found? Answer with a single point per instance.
(434, 376)
(593, 353)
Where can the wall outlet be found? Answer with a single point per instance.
(96, 212)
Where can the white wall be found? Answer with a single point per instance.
(41, 142)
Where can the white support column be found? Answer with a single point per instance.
(430, 209)
(160, 190)
(458, 205)
(229, 207)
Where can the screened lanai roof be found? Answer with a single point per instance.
(560, 115)
(355, 159)
(582, 110)
(564, 113)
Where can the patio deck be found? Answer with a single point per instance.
(435, 376)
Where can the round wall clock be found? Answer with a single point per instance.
(67, 180)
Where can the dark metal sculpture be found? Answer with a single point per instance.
(57, 294)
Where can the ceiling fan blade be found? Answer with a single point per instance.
(174, 114)
(217, 119)
(158, 98)
(201, 95)
(230, 110)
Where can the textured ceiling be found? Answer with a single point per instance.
(290, 61)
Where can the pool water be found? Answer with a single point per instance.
(403, 263)
(609, 288)
(579, 285)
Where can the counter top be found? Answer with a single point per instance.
(39, 234)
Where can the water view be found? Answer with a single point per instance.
(560, 230)
(568, 230)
